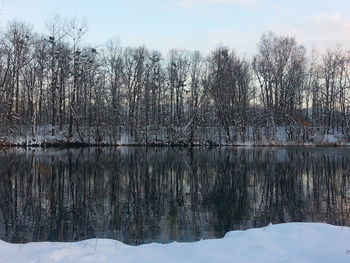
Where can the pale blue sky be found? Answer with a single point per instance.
(194, 24)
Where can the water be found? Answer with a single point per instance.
(145, 194)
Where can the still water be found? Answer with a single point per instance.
(145, 194)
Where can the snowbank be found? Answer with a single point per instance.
(291, 242)
(209, 136)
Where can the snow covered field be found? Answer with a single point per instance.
(291, 242)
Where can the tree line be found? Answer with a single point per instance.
(54, 80)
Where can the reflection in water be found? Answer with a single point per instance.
(144, 194)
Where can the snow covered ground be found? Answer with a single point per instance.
(291, 242)
(209, 136)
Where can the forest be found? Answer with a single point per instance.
(56, 88)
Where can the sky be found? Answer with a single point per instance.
(193, 24)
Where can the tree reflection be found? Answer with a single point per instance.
(144, 194)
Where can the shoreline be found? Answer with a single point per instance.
(186, 145)
(207, 137)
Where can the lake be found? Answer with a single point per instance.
(160, 194)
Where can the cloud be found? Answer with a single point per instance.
(189, 3)
(333, 24)
(321, 31)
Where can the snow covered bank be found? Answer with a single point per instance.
(291, 242)
(205, 136)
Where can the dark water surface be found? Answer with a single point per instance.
(144, 194)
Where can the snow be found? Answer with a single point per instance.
(290, 242)
(248, 136)
(267, 136)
